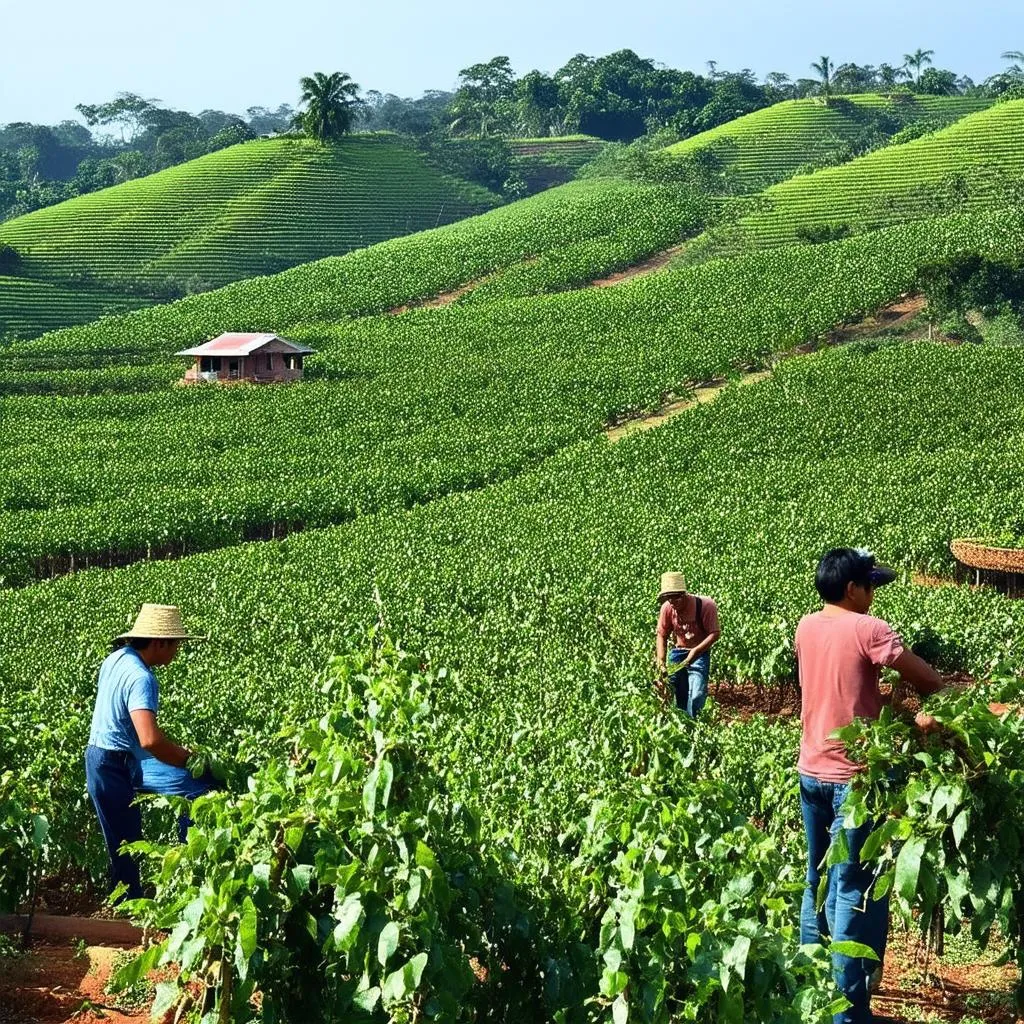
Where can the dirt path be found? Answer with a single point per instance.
(658, 261)
(438, 301)
(896, 314)
(703, 394)
(59, 983)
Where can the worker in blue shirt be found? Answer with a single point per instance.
(128, 752)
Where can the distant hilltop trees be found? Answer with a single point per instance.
(620, 97)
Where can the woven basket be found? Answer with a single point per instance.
(979, 555)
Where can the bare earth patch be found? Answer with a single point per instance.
(702, 394)
(658, 261)
(57, 984)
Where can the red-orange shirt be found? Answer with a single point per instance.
(840, 657)
(688, 633)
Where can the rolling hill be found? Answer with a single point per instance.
(248, 210)
(770, 145)
(971, 163)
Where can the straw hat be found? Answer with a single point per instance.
(159, 622)
(672, 583)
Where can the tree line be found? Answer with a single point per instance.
(620, 97)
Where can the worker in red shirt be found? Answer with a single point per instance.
(691, 620)
(840, 650)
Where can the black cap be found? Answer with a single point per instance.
(878, 574)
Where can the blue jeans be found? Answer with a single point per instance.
(114, 778)
(110, 777)
(847, 914)
(167, 780)
(690, 685)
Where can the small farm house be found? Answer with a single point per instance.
(252, 357)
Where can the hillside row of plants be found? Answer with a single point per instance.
(540, 590)
(497, 387)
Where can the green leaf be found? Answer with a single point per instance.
(908, 868)
(620, 1010)
(960, 825)
(349, 915)
(387, 774)
(370, 791)
(387, 943)
(167, 994)
(367, 999)
(415, 888)
(853, 949)
(401, 984)
(247, 928)
(138, 968)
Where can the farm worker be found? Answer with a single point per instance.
(692, 622)
(840, 650)
(128, 752)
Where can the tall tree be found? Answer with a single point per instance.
(331, 102)
(483, 101)
(917, 61)
(129, 112)
(824, 69)
(889, 76)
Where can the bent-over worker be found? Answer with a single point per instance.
(840, 650)
(128, 752)
(691, 620)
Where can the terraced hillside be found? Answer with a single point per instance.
(28, 306)
(543, 163)
(244, 211)
(770, 145)
(976, 162)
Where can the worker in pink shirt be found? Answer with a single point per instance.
(691, 620)
(840, 651)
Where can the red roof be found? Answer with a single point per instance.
(234, 344)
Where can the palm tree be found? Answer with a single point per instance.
(824, 68)
(917, 60)
(1015, 71)
(331, 102)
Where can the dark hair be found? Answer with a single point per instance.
(840, 567)
(136, 643)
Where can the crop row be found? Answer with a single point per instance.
(540, 590)
(482, 391)
(972, 163)
(770, 145)
(384, 276)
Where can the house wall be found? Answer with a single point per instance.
(252, 367)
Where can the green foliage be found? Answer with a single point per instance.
(951, 826)
(815, 234)
(251, 209)
(796, 136)
(331, 101)
(701, 321)
(973, 164)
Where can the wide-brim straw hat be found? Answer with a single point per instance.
(159, 622)
(672, 583)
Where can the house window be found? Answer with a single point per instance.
(233, 368)
(209, 364)
(293, 362)
(270, 360)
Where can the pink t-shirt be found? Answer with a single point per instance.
(688, 633)
(840, 657)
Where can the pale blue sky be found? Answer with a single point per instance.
(230, 54)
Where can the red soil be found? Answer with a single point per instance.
(648, 266)
(50, 984)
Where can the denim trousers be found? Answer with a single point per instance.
(113, 779)
(110, 777)
(690, 684)
(847, 914)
